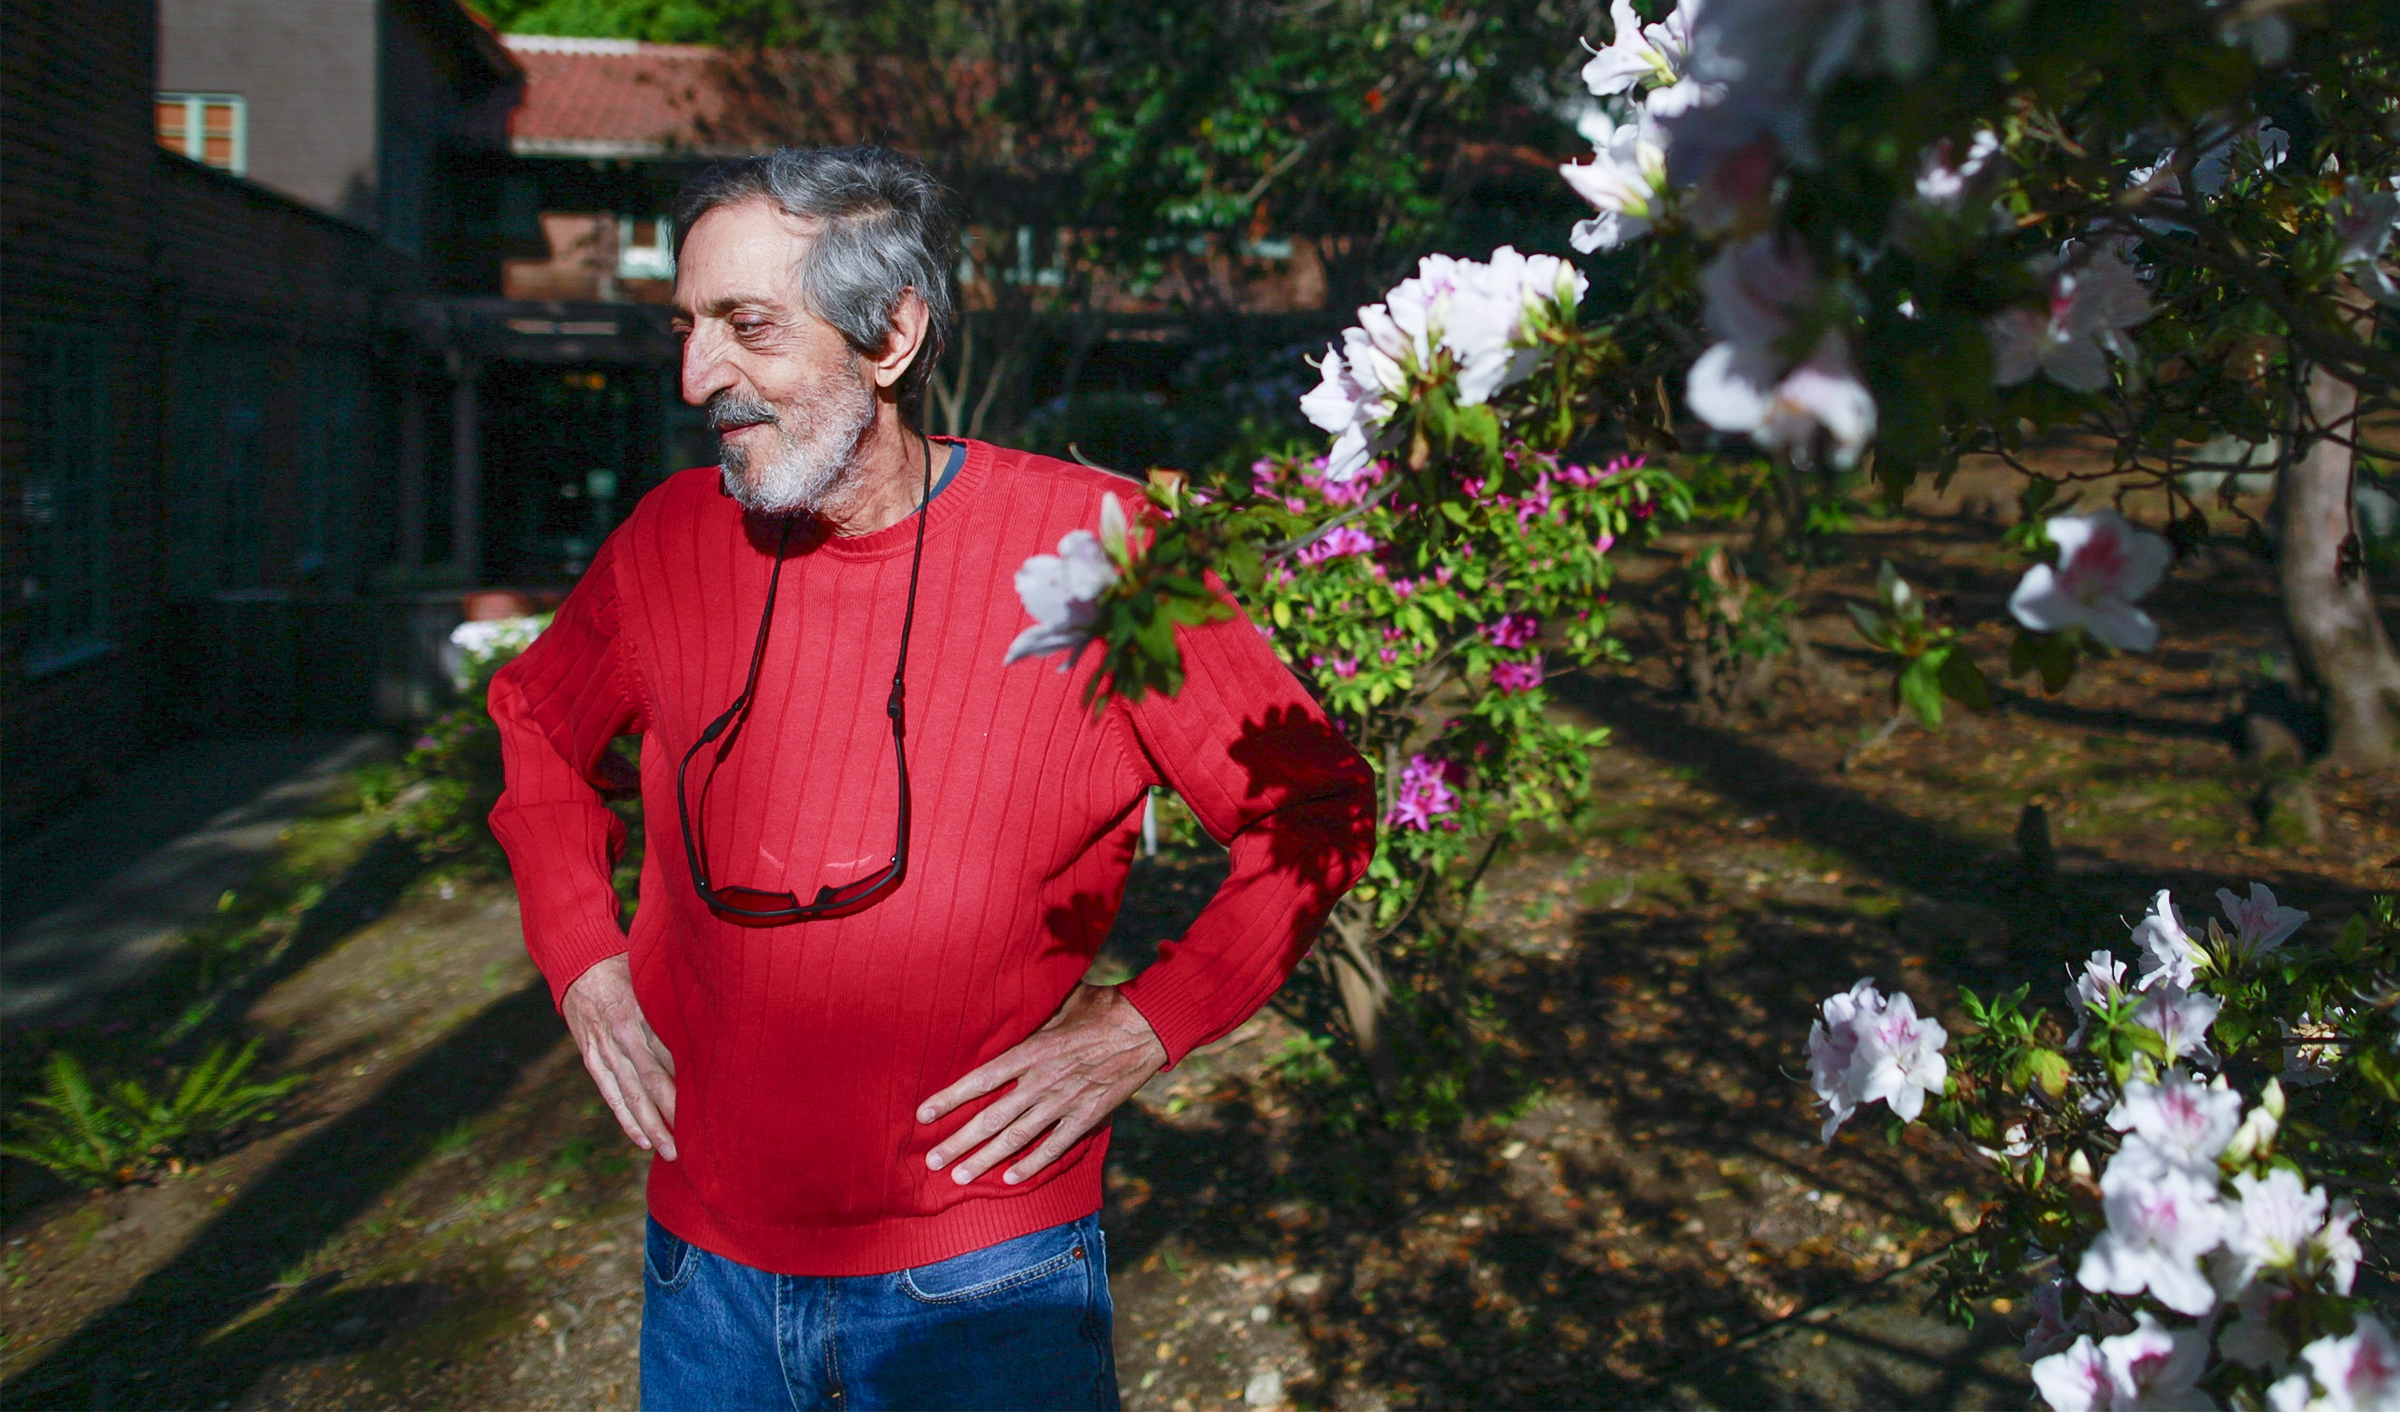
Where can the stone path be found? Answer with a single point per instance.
(86, 904)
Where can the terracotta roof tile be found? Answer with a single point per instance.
(618, 98)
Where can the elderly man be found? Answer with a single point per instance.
(850, 1018)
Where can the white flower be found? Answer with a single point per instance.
(2357, 1373)
(491, 635)
(1638, 53)
(2268, 37)
(2170, 956)
(2052, 1331)
(2249, 1338)
(2177, 1124)
(2151, 1367)
(2181, 1019)
(2159, 1225)
(1747, 384)
(2090, 306)
(2273, 1225)
(2104, 564)
(1623, 181)
(1061, 592)
(2259, 925)
(2365, 221)
(1833, 1044)
(1771, 58)
(1481, 313)
(2102, 980)
(492, 639)
(1899, 1058)
(2076, 1379)
(1488, 319)
(1942, 184)
(2336, 1249)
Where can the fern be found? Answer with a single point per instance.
(118, 1133)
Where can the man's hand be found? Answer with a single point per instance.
(1070, 1075)
(635, 1073)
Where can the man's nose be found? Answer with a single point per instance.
(705, 370)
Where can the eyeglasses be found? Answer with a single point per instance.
(760, 907)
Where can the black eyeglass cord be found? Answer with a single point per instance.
(738, 713)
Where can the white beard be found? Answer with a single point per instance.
(811, 470)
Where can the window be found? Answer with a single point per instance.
(403, 164)
(66, 495)
(206, 127)
(330, 461)
(645, 247)
(218, 495)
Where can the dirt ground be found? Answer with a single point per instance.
(1640, 1214)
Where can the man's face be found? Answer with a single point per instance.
(785, 393)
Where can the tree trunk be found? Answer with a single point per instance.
(2327, 601)
(1366, 994)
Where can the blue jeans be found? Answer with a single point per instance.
(1025, 1323)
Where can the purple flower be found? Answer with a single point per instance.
(1513, 677)
(1345, 667)
(1511, 631)
(1389, 656)
(1424, 795)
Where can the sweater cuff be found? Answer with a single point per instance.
(1181, 1020)
(563, 959)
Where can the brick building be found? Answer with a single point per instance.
(218, 215)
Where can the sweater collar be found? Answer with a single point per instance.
(955, 501)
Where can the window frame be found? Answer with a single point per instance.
(652, 261)
(195, 128)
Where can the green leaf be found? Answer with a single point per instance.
(1919, 687)
(2051, 1070)
(1962, 681)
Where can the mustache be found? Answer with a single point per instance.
(729, 409)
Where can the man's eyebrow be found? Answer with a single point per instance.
(725, 304)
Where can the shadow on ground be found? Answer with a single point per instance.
(192, 1334)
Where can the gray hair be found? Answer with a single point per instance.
(883, 228)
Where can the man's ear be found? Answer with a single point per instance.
(911, 322)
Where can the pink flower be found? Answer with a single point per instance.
(1389, 656)
(1604, 543)
(1345, 667)
(1424, 795)
(1339, 541)
(1511, 631)
(1513, 677)
(1402, 588)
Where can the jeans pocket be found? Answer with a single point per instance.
(1000, 1269)
(667, 1258)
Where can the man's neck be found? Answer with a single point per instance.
(891, 479)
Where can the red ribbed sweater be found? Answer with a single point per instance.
(801, 1051)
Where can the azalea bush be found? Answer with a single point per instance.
(1425, 574)
(2174, 1154)
(1917, 230)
